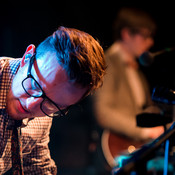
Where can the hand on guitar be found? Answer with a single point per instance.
(154, 132)
(117, 148)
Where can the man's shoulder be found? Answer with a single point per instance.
(4, 60)
(2, 63)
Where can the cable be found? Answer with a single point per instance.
(165, 172)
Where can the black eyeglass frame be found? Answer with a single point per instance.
(43, 95)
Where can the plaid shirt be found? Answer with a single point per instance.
(35, 132)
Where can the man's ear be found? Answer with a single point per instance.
(125, 33)
(28, 54)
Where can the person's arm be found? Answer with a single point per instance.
(124, 123)
(114, 110)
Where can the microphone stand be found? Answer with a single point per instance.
(136, 164)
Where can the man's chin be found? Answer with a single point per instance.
(17, 117)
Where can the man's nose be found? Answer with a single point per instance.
(150, 42)
(33, 102)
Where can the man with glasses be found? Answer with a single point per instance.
(44, 83)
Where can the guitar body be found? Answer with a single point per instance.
(115, 145)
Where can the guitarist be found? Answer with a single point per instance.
(125, 92)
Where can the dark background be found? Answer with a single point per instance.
(25, 22)
(74, 139)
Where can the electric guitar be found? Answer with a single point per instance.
(115, 146)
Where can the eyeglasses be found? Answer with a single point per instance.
(33, 89)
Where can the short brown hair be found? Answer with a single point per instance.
(134, 19)
(79, 54)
